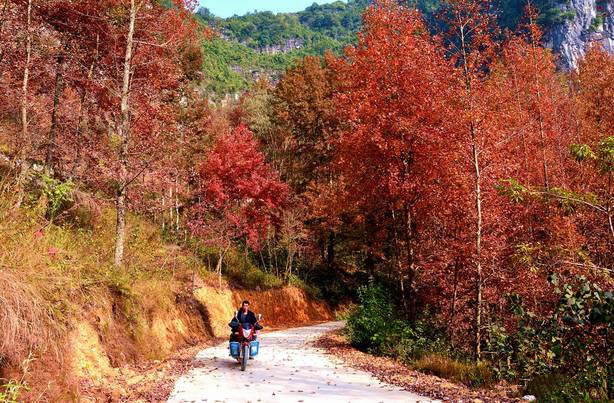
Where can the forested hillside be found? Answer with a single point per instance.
(441, 180)
(264, 44)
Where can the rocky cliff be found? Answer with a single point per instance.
(590, 22)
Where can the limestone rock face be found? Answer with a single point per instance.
(592, 23)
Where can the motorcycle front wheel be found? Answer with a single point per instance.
(245, 357)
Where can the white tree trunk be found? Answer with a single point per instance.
(25, 82)
(124, 134)
(21, 153)
(478, 250)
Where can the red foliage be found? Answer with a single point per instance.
(242, 195)
(389, 160)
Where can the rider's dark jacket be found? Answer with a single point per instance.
(248, 317)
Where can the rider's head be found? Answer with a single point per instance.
(245, 305)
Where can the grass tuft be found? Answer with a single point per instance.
(468, 373)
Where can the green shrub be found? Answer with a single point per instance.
(255, 278)
(371, 326)
(421, 338)
(568, 351)
(376, 326)
(9, 392)
(560, 388)
(58, 195)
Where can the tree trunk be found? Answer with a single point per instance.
(330, 250)
(21, 153)
(57, 93)
(521, 129)
(477, 195)
(402, 284)
(454, 301)
(25, 82)
(163, 212)
(609, 206)
(170, 208)
(124, 133)
(411, 262)
(478, 250)
(369, 258)
(454, 292)
(218, 266)
(218, 269)
(540, 118)
(176, 206)
(399, 262)
(542, 141)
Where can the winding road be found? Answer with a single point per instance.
(288, 369)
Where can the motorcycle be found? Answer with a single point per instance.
(247, 346)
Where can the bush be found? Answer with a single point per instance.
(257, 279)
(9, 392)
(375, 326)
(58, 195)
(241, 270)
(560, 388)
(423, 337)
(569, 350)
(371, 326)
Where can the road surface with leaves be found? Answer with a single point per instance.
(288, 369)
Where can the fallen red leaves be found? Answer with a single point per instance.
(395, 373)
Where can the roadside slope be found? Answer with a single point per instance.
(76, 328)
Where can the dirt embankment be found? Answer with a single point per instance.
(285, 307)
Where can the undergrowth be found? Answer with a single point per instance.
(10, 390)
(376, 327)
(566, 357)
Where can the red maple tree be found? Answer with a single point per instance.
(241, 195)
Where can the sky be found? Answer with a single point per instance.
(226, 8)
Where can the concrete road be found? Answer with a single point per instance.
(287, 369)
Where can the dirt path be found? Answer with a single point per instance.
(288, 369)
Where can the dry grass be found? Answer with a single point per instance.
(470, 374)
(54, 275)
(24, 319)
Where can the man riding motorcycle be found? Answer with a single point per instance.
(243, 315)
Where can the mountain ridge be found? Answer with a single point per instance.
(264, 43)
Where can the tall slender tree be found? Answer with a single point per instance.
(472, 52)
